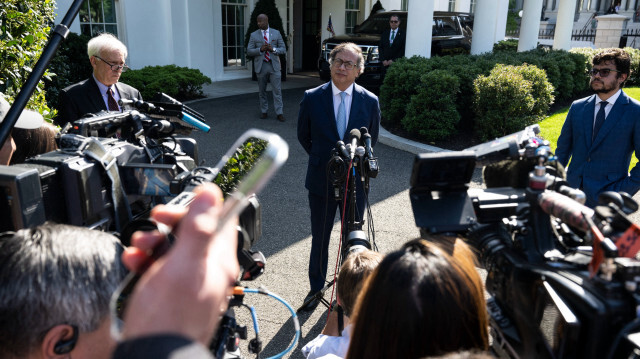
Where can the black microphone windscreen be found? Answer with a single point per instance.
(363, 130)
(354, 133)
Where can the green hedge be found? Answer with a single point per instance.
(509, 99)
(434, 118)
(181, 83)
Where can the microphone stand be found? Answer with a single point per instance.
(59, 33)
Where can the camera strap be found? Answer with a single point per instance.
(94, 149)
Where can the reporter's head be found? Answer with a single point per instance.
(420, 301)
(56, 281)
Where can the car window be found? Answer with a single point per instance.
(445, 26)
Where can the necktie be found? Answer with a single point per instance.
(599, 120)
(266, 41)
(113, 105)
(393, 36)
(342, 116)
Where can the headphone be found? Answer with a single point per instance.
(65, 346)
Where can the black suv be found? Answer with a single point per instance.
(451, 34)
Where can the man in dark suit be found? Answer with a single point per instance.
(102, 91)
(266, 46)
(392, 41)
(323, 121)
(602, 131)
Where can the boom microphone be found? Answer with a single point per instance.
(354, 137)
(568, 210)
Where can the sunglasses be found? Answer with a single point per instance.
(393, 21)
(602, 72)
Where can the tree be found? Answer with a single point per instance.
(269, 8)
(24, 30)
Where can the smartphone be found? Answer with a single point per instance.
(243, 171)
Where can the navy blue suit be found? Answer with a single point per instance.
(318, 134)
(602, 164)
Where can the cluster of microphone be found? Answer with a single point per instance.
(359, 146)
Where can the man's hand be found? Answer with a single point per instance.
(185, 291)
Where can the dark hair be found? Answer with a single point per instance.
(421, 301)
(353, 273)
(32, 142)
(618, 56)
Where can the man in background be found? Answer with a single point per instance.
(27, 120)
(602, 131)
(266, 46)
(392, 43)
(56, 283)
(102, 91)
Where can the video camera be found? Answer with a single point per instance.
(563, 278)
(350, 167)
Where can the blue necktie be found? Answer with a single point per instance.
(599, 120)
(342, 116)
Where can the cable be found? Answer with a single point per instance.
(294, 316)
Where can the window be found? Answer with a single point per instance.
(351, 15)
(233, 47)
(98, 16)
(404, 5)
(452, 5)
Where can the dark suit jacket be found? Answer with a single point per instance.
(161, 346)
(84, 97)
(601, 165)
(394, 51)
(318, 132)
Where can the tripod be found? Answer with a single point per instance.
(352, 237)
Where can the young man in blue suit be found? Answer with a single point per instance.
(322, 122)
(602, 131)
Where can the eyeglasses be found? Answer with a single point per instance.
(123, 68)
(347, 64)
(603, 72)
(393, 21)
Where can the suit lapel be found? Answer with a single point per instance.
(587, 119)
(612, 118)
(327, 98)
(95, 96)
(356, 105)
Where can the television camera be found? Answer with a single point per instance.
(562, 278)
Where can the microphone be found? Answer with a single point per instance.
(568, 210)
(354, 136)
(367, 141)
(146, 106)
(343, 150)
(573, 193)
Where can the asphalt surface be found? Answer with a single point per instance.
(286, 236)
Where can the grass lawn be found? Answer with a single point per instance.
(551, 126)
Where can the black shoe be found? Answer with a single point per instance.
(311, 302)
(281, 118)
(264, 115)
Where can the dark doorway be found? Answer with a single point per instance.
(311, 33)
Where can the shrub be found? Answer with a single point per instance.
(181, 83)
(24, 27)
(434, 117)
(401, 81)
(509, 45)
(506, 100)
(69, 65)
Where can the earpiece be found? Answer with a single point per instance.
(66, 346)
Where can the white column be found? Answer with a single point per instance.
(564, 25)
(530, 25)
(501, 20)
(419, 40)
(484, 26)
(463, 5)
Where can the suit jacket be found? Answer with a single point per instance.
(84, 97)
(256, 40)
(161, 346)
(318, 131)
(392, 51)
(602, 164)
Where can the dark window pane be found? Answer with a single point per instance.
(96, 30)
(84, 11)
(95, 8)
(109, 11)
(85, 29)
(112, 29)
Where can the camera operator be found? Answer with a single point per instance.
(57, 281)
(327, 115)
(27, 120)
(602, 131)
(176, 305)
(421, 301)
(102, 91)
(353, 274)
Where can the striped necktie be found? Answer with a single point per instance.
(266, 41)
